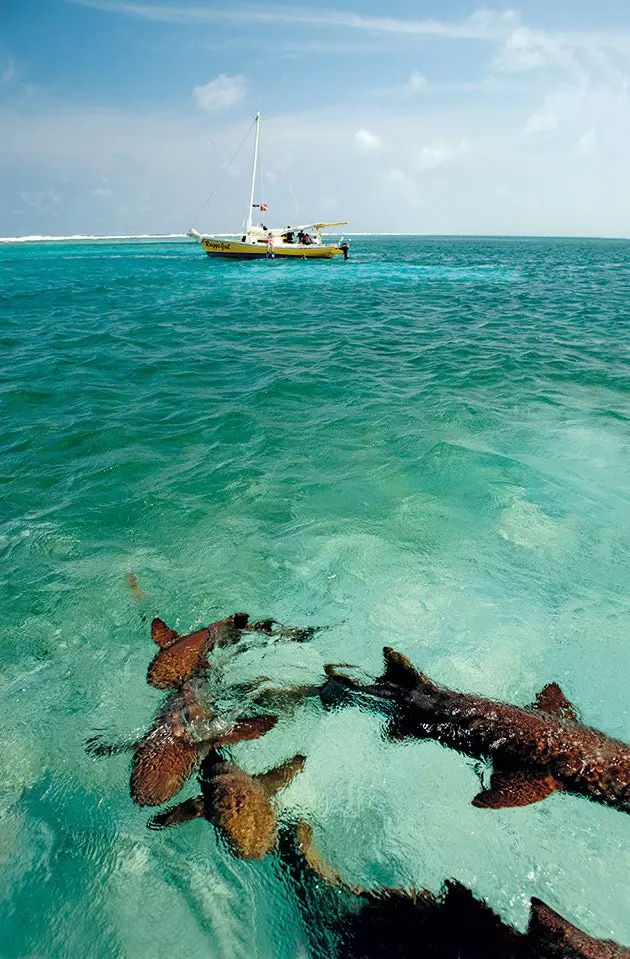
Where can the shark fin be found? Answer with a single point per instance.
(315, 861)
(245, 729)
(551, 700)
(95, 746)
(551, 934)
(183, 812)
(400, 672)
(281, 776)
(515, 789)
(161, 634)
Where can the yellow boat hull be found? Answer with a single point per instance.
(236, 249)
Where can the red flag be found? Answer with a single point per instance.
(263, 207)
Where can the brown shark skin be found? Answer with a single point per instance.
(556, 937)
(239, 805)
(167, 755)
(533, 752)
(181, 734)
(178, 661)
(388, 923)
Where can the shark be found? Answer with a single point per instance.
(385, 923)
(180, 657)
(238, 804)
(184, 730)
(535, 750)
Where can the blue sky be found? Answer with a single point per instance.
(119, 116)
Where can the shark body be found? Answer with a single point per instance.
(388, 923)
(184, 730)
(236, 803)
(535, 750)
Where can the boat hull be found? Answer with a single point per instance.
(237, 250)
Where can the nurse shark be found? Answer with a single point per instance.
(535, 750)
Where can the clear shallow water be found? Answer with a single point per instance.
(427, 447)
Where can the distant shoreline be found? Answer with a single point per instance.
(94, 238)
(36, 238)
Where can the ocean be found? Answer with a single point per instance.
(426, 447)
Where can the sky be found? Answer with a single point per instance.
(416, 116)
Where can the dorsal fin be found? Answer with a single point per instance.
(281, 776)
(161, 634)
(400, 672)
(551, 700)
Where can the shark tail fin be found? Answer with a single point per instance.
(161, 634)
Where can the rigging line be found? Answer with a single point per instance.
(295, 202)
(285, 175)
(261, 177)
(223, 175)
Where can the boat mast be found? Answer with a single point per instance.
(251, 196)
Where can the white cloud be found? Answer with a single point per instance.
(436, 154)
(8, 73)
(547, 188)
(221, 93)
(99, 191)
(555, 109)
(527, 49)
(586, 144)
(482, 25)
(400, 184)
(417, 82)
(367, 142)
(397, 177)
(39, 198)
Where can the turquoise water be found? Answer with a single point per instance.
(427, 447)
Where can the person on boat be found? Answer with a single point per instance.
(288, 237)
(307, 239)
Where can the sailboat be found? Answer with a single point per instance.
(303, 241)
